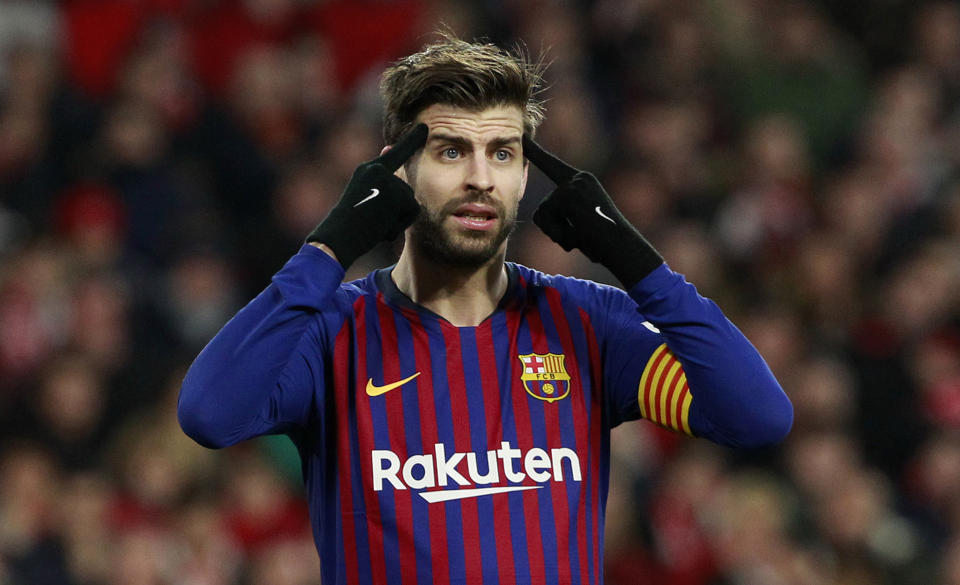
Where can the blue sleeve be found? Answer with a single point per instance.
(680, 362)
(260, 374)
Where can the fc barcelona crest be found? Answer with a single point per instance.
(544, 376)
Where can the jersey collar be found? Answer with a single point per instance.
(394, 296)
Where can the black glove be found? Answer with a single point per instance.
(376, 205)
(580, 214)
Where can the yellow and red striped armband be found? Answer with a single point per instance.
(664, 395)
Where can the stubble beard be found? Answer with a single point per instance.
(459, 248)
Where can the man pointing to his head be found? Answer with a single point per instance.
(453, 411)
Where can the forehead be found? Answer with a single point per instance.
(494, 122)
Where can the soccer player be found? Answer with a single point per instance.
(453, 411)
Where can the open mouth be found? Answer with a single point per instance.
(475, 216)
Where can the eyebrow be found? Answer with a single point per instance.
(463, 142)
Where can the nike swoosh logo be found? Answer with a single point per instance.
(447, 495)
(603, 215)
(373, 193)
(373, 390)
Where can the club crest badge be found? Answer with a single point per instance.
(544, 376)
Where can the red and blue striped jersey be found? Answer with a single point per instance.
(440, 454)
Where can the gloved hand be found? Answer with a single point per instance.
(376, 205)
(580, 214)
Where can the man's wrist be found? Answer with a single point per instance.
(634, 259)
(325, 248)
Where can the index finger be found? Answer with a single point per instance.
(554, 168)
(408, 144)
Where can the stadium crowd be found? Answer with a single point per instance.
(797, 160)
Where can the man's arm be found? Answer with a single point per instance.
(261, 372)
(255, 377)
(705, 378)
(733, 397)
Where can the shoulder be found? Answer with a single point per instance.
(365, 286)
(578, 290)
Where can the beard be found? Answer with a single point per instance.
(460, 248)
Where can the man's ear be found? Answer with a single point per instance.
(523, 181)
(402, 171)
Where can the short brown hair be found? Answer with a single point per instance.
(467, 75)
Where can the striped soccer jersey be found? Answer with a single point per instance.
(440, 454)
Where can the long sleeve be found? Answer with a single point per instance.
(260, 374)
(735, 399)
(672, 357)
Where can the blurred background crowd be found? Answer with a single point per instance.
(797, 160)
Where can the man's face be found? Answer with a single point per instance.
(468, 179)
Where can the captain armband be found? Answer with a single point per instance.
(663, 394)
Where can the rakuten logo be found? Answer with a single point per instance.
(433, 470)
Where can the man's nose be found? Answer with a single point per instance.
(479, 177)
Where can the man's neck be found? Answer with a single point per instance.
(462, 296)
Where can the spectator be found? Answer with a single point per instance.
(159, 159)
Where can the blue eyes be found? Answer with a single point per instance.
(454, 153)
